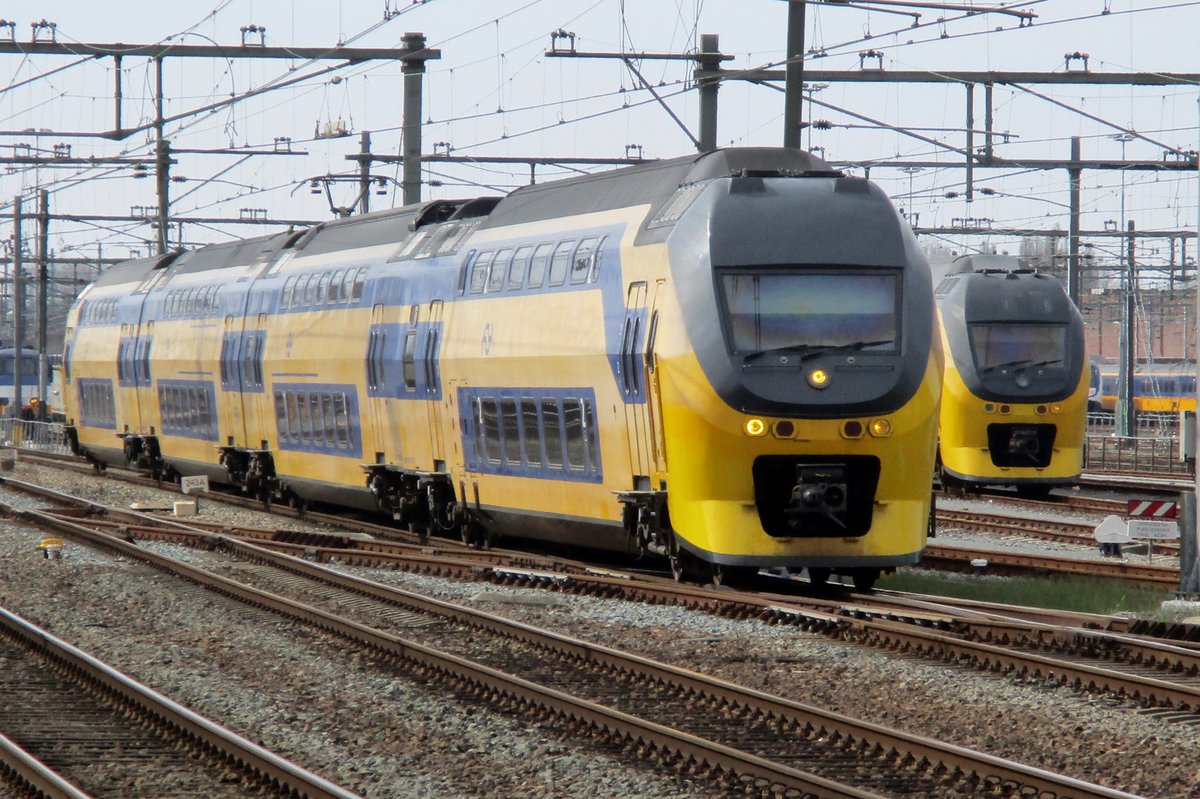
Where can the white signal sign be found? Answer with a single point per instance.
(1149, 529)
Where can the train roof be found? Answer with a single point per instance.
(653, 183)
(985, 262)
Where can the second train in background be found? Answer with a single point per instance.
(1015, 395)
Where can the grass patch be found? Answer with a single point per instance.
(1062, 593)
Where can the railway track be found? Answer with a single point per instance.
(704, 726)
(72, 727)
(527, 570)
(1055, 503)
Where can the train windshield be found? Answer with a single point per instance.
(770, 311)
(1007, 345)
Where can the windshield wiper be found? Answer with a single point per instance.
(1023, 363)
(807, 351)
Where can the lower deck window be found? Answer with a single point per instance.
(539, 433)
(320, 419)
(188, 409)
(97, 407)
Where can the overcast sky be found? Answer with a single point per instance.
(494, 92)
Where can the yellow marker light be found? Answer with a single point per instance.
(880, 428)
(818, 378)
(755, 427)
(1056, 407)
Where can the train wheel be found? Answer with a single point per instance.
(732, 575)
(819, 577)
(676, 558)
(864, 579)
(1033, 491)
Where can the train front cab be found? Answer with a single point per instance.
(1015, 394)
(800, 428)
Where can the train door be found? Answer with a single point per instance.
(433, 383)
(631, 368)
(377, 389)
(229, 413)
(658, 451)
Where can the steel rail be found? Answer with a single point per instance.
(483, 678)
(1058, 530)
(35, 774)
(266, 764)
(983, 622)
(987, 768)
(964, 559)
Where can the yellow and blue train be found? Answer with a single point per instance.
(1015, 396)
(725, 359)
(1165, 386)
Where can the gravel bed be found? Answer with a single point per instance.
(302, 695)
(306, 697)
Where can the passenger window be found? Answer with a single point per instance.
(293, 416)
(589, 427)
(537, 266)
(323, 289)
(531, 431)
(560, 262)
(597, 257)
(281, 421)
(552, 434)
(318, 419)
(572, 412)
(310, 290)
(410, 360)
(356, 290)
(512, 432)
(330, 420)
(343, 419)
(335, 286)
(479, 272)
(516, 270)
(499, 270)
(491, 429)
(582, 262)
(285, 296)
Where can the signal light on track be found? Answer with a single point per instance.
(755, 427)
(818, 378)
(880, 428)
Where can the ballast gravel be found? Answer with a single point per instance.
(381, 734)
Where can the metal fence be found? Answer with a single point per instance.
(1134, 454)
(42, 436)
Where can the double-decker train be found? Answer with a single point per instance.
(1015, 397)
(725, 359)
(1162, 386)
